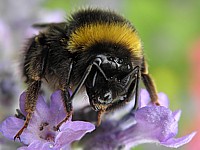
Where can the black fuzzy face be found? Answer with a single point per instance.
(111, 82)
(102, 91)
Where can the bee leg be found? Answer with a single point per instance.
(67, 100)
(30, 104)
(100, 113)
(66, 97)
(68, 107)
(136, 89)
(149, 84)
(34, 70)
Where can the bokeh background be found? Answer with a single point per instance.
(170, 31)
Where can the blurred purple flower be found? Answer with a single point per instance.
(15, 28)
(9, 86)
(40, 133)
(15, 25)
(149, 124)
(5, 38)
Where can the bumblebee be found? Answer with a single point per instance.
(95, 49)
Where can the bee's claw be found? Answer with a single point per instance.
(17, 136)
(56, 128)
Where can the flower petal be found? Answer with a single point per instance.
(29, 135)
(41, 105)
(22, 103)
(145, 99)
(154, 124)
(72, 131)
(42, 108)
(10, 126)
(175, 143)
(78, 125)
(177, 115)
(41, 114)
(57, 107)
(41, 145)
(163, 100)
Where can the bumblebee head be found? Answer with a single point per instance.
(114, 48)
(109, 81)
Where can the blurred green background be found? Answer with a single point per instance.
(168, 29)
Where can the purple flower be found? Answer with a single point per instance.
(9, 87)
(40, 133)
(149, 124)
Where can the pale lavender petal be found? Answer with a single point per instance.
(41, 114)
(163, 99)
(177, 115)
(175, 143)
(57, 107)
(144, 98)
(22, 103)
(29, 135)
(10, 126)
(72, 131)
(68, 136)
(159, 120)
(22, 148)
(78, 125)
(38, 145)
(41, 105)
(154, 124)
